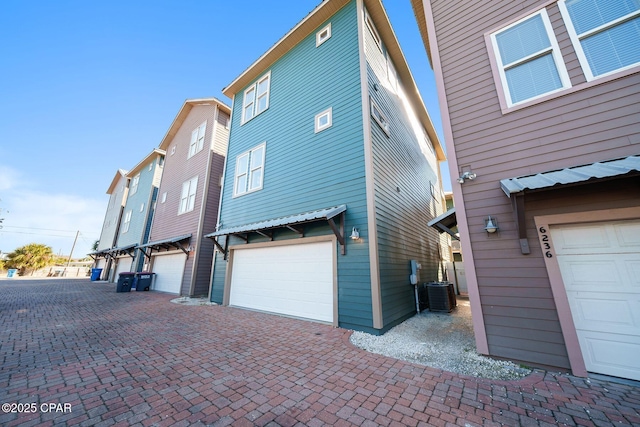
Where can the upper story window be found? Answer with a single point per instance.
(135, 181)
(528, 59)
(126, 222)
(323, 35)
(197, 139)
(380, 118)
(323, 120)
(604, 33)
(188, 195)
(256, 98)
(249, 171)
(373, 31)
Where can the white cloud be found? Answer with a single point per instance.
(8, 178)
(50, 218)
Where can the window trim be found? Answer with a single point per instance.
(188, 185)
(196, 144)
(127, 221)
(576, 40)
(380, 118)
(256, 97)
(319, 38)
(329, 113)
(248, 172)
(135, 182)
(554, 49)
(372, 28)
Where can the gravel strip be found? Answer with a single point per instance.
(440, 340)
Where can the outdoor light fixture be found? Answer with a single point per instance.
(467, 175)
(491, 225)
(354, 234)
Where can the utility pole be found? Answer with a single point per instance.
(71, 254)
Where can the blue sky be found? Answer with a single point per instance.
(87, 87)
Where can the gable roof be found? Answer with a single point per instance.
(184, 112)
(144, 162)
(317, 16)
(121, 173)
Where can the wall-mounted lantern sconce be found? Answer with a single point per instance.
(466, 176)
(491, 225)
(354, 234)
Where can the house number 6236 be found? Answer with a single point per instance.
(544, 239)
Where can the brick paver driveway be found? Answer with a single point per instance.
(78, 353)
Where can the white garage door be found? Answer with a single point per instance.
(296, 280)
(123, 265)
(600, 267)
(169, 270)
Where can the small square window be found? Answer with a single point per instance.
(163, 198)
(142, 207)
(323, 35)
(173, 150)
(323, 120)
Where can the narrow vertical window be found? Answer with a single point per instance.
(135, 181)
(249, 173)
(529, 60)
(380, 118)
(197, 139)
(604, 33)
(256, 98)
(188, 195)
(126, 222)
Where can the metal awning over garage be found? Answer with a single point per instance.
(515, 188)
(445, 222)
(291, 222)
(105, 253)
(171, 243)
(129, 250)
(573, 175)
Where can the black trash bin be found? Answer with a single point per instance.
(125, 282)
(144, 279)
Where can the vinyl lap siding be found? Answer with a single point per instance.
(587, 124)
(112, 216)
(178, 169)
(138, 219)
(403, 201)
(304, 170)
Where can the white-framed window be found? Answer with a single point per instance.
(135, 181)
(126, 222)
(197, 140)
(163, 198)
(380, 118)
(372, 29)
(604, 33)
(188, 195)
(323, 120)
(249, 173)
(323, 35)
(529, 60)
(256, 98)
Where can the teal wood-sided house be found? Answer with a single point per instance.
(331, 176)
(144, 180)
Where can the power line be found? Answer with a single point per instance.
(36, 228)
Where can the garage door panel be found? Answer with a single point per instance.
(608, 355)
(169, 271)
(600, 268)
(295, 280)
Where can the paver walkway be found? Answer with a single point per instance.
(105, 358)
